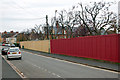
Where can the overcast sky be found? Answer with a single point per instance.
(18, 15)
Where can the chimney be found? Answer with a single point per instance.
(11, 31)
(5, 32)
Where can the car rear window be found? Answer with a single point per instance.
(5, 48)
(14, 50)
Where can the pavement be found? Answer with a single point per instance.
(99, 64)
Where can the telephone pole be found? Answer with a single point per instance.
(47, 27)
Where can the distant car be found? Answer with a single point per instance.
(3, 44)
(12, 45)
(4, 50)
(14, 52)
(7, 45)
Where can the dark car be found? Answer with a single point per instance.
(4, 51)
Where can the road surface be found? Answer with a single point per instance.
(37, 66)
(6, 71)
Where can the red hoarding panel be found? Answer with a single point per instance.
(103, 47)
(118, 48)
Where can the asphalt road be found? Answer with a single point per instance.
(34, 66)
(6, 71)
(106, 65)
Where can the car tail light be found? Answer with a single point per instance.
(8, 52)
(3, 44)
(19, 52)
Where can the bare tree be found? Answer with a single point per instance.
(67, 20)
(92, 19)
(60, 21)
(27, 34)
(22, 36)
(38, 32)
(32, 34)
(52, 25)
(96, 15)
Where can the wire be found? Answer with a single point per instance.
(24, 18)
(28, 12)
(21, 7)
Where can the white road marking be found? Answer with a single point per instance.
(49, 72)
(45, 69)
(53, 74)
(58, 76)
(22, 75)
(72, 62)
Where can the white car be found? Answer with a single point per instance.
(14, 52)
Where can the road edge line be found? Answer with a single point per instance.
(97, 67)
(15, 69)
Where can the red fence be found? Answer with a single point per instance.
(105, 47)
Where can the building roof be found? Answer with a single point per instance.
(9, 34)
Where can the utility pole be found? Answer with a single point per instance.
(118, 19)
(47, 27)
(62, 24)
(55, 23)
